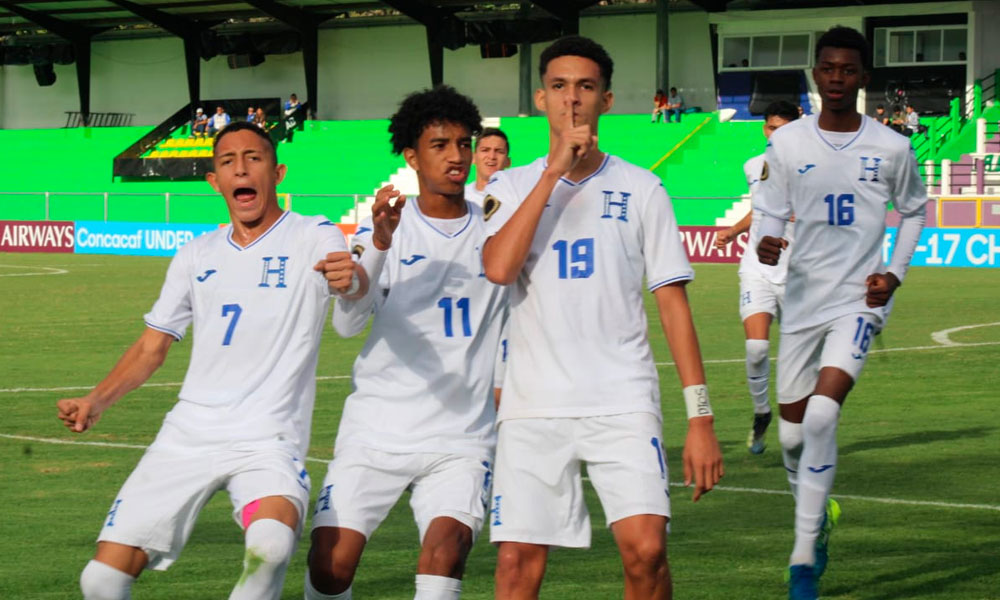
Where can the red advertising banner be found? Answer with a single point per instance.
(700, 245)
(36, 236)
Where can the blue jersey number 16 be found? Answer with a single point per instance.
(840, 209)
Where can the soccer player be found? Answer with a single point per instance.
(492, 154)
(836, 173)
(575, 233)
(421, 416)
(257, 304)
(762, 288)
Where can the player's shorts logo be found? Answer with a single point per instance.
(490, 206)
(496, 510)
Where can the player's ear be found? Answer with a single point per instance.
(279, 173)
(212, 181)
(866, 77)
(410, 156)
(540, 100)
(506, 162)
(608, 100)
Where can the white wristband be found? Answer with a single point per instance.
(355, 285)
(696, 399)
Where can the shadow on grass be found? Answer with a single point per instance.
(928, 578)
(916, 438)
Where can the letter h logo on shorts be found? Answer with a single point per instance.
(268, 271)
(621, 205)
(865, 169)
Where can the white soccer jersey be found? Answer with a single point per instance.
(578, 341)
(424, 379)
(749, 264)
(839, 198)
(258, 314)
(473, 195)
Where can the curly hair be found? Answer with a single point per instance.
(417, 111)
(576, 45)
(845, 37)
(245, 126)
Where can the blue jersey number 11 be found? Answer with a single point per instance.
(462, 304)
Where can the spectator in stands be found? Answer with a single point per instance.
(251, 114)
(219, 120)
(199, 126)
(898, 121)
(291, 107)
(880, 115)
(659, 106)
(675, 105)
(912, 121)
(260, 119)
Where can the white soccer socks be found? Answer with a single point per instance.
(99, 581)
(311, 593)
(758, 373)
(819, 464)
(269, 547)
(436, 587)
(790, 437)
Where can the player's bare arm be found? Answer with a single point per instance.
(729, 234)
(385, 215)
(138, 363)
(881, 286)
(702, 457)
(504, 253)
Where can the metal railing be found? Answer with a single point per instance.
(96, 119)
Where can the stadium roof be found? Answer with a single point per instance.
(27, 21)
(108, 19)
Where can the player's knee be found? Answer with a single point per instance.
(327, 572)
(757, 351)
(443, 559)
(518, 565)
(819, 422)
(643, 556)
(99, 581)
(789, 434)
(269, 543)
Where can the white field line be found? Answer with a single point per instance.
(942, 338)
(72, 388)
(721, 488)
(47, 271)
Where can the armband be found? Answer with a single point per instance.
(696, 400)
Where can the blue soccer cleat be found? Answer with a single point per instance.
(756, 442)
(823, 541)
(802, 583)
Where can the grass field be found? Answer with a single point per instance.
(918, 479)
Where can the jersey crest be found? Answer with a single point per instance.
(763, 172)
(490, 206)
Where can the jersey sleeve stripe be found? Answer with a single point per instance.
(676, 278)
(177, 336)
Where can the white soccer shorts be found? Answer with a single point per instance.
(538, 492)
(160, 501)
(363, 484)
(759, 295)
(842, 343)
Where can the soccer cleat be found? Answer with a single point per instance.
(802, 583)
(830, 519)
(755, 441)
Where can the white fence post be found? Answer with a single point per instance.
(981, 135)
